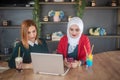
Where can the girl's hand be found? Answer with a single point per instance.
(75, 64)
(66, 63)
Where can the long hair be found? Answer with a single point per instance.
(24, 32)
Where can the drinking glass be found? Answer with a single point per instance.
(18, 62)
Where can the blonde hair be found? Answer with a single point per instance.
(24, 32)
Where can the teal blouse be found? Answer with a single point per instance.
(25, 53)
(74, 54)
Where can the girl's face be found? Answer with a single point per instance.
(74, 31)
(32, 33)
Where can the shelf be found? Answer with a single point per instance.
(46, 6)
(3, 55)
(57, 3)
(16, 8)
(31, 8)
(88, 7)
(10, 27)
(107, 36)
(51, 41)
(53, 22)
(103, 7)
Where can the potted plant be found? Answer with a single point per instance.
(57, 15)
(80, 6)
(36, 16)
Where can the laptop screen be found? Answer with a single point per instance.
(47, 63)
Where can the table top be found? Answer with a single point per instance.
(106, 66)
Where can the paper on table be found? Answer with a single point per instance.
(2, 69)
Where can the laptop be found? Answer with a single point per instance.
(48, 64)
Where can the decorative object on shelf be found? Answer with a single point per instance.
(6, 51)
(69, 17)
(45, 18)
(114, 3)
(31, 3)
(118, 25)
(57, 15)
(98, 31)
(80, 7)
(118, 2)
(36, 16)
(46, 0)
(58, 0)
(93, 3)
(72, 0)
(48, 36)
(6, 22)
(56, 36)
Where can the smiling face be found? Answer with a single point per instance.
(74, 31)
(32, 33)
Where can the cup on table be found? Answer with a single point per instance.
(89, 61)
(70, 59)
(73, 63)
(6, 51)
(18, 62)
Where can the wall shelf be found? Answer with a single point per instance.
(102, 7)
(16, 8)
(17, 15)
(53, 22)
(31, 8)
(3, 55)
(10, 27)
(57, 3)
(106, 36)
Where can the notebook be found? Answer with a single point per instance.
(48, 64)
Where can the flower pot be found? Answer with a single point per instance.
(56, 18)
